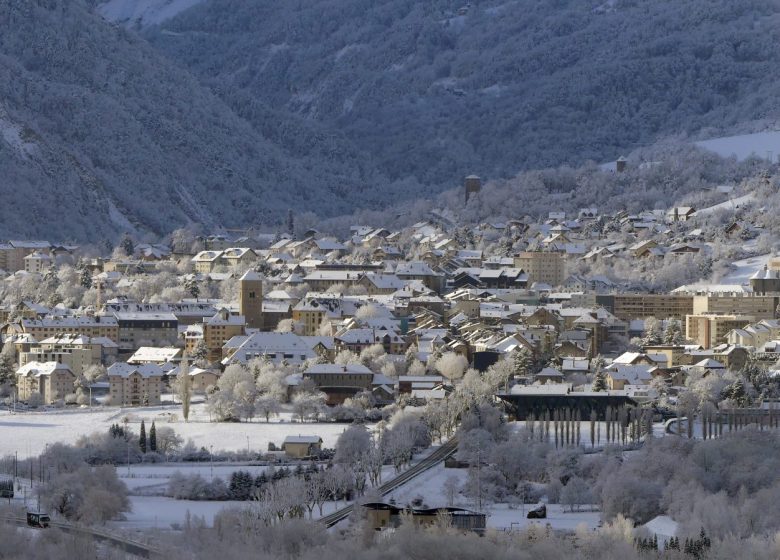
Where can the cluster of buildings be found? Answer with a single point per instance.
(419, 293)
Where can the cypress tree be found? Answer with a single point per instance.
(142, 438)
(153, 438)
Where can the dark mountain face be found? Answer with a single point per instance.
(440, 89)
(236, 110)
(102, 134)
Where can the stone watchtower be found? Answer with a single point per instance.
(472, 185)
(250, 299)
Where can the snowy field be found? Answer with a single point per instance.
(744, 269)
(154, 479)
(760, 144)
(145, 12)
(166, 513)
(729, 205)
(30, 431)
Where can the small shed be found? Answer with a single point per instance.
(301, 446)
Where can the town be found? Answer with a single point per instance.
(402, 371)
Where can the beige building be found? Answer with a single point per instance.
(207, 261)
(135, 385)
(76, 351)
(12, 254)
(37, 263)
(51, 380)
(760, 307)
(710, 330)
(660, 306)
(540, 266)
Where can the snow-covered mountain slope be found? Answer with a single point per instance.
(143, 13)
(437, 90)
(760, 144)
(98, 131)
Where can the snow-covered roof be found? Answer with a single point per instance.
(38, 369)
(122, 369)
(152, 354)
(302, 439)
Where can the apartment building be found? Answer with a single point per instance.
(78, 352)
(135, 385)
(215, 332)
(541, 266)
(51, 380)
(641, 306)
(92, 326)
(709, 330)
(760, 307)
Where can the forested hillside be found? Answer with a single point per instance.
(99, 134)
(241, 109)
(443, 88)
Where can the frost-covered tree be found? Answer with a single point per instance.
(184, 387)
(451, 365)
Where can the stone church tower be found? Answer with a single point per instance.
(250, 299)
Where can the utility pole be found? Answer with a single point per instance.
(127, 440)
(211, 458)
(479, 477)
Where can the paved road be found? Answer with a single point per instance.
(120, 542)
(430, 461)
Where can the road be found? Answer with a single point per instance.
(430, 461)
(117, 541)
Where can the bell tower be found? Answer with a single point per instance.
(250, 299)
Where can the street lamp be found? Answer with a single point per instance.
(211, 458)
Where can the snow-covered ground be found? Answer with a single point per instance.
(760, 144)
(30, 431)
(154, 479)
(744, 269)
(166, 513)
(729, 205)
(143, 12)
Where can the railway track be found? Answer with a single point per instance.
(430, 461)
(130, 546)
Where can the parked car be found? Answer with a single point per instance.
(38, 519)
(538, 512)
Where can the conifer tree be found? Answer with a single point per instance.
(142, 437)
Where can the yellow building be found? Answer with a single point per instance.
(215, 332)
(301, 446)
(540, 266)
